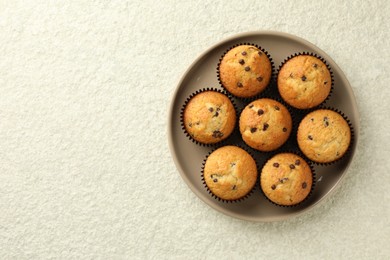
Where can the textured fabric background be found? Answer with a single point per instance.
(85, 169)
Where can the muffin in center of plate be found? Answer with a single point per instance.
(265, 124)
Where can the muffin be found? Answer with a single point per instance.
(304, 81)
(286, 179)
(324, 136)
(245, 71)
(209, 117)
(265, 124)
(230, 173)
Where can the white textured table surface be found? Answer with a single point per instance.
(85, 169)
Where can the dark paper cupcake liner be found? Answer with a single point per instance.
(273, 71)
(314, 181)
(288, 142)
(269, 92)
(182, 117)
(347, 152)
(305, 110)
(239, 199)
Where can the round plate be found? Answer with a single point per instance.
(189, 156)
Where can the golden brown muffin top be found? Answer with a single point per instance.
(304, 81)
(286, 179)
(230, 173)
(245, 71)
(265, 124)
(324, 136)
(209, 117)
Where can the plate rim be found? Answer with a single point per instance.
(201, 196)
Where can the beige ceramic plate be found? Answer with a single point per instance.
(188, 156)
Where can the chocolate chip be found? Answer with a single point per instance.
(277, 108)
(284, 129)
(273, 187)
(190, 124)
(297, 162)
(304, 185)
(265, 126)
(218, 109)
(239, 84)
(232, 164)
(325, 82)
(315, 65)
(292, 166)
(234, 187)
(197, 123)
(276, 165)
(310, 137)
(216, 114)
(260, 112)
(251, 105)
(260, 53)
(241, 61)
(217, 134)
(243, 53)
(291, 75)
(211, 109)
(326, 122)
(303, 78)
(215, 180)
(253, 129)
(312, 119)
(247, 68)
(259, 79)
(337, 154)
